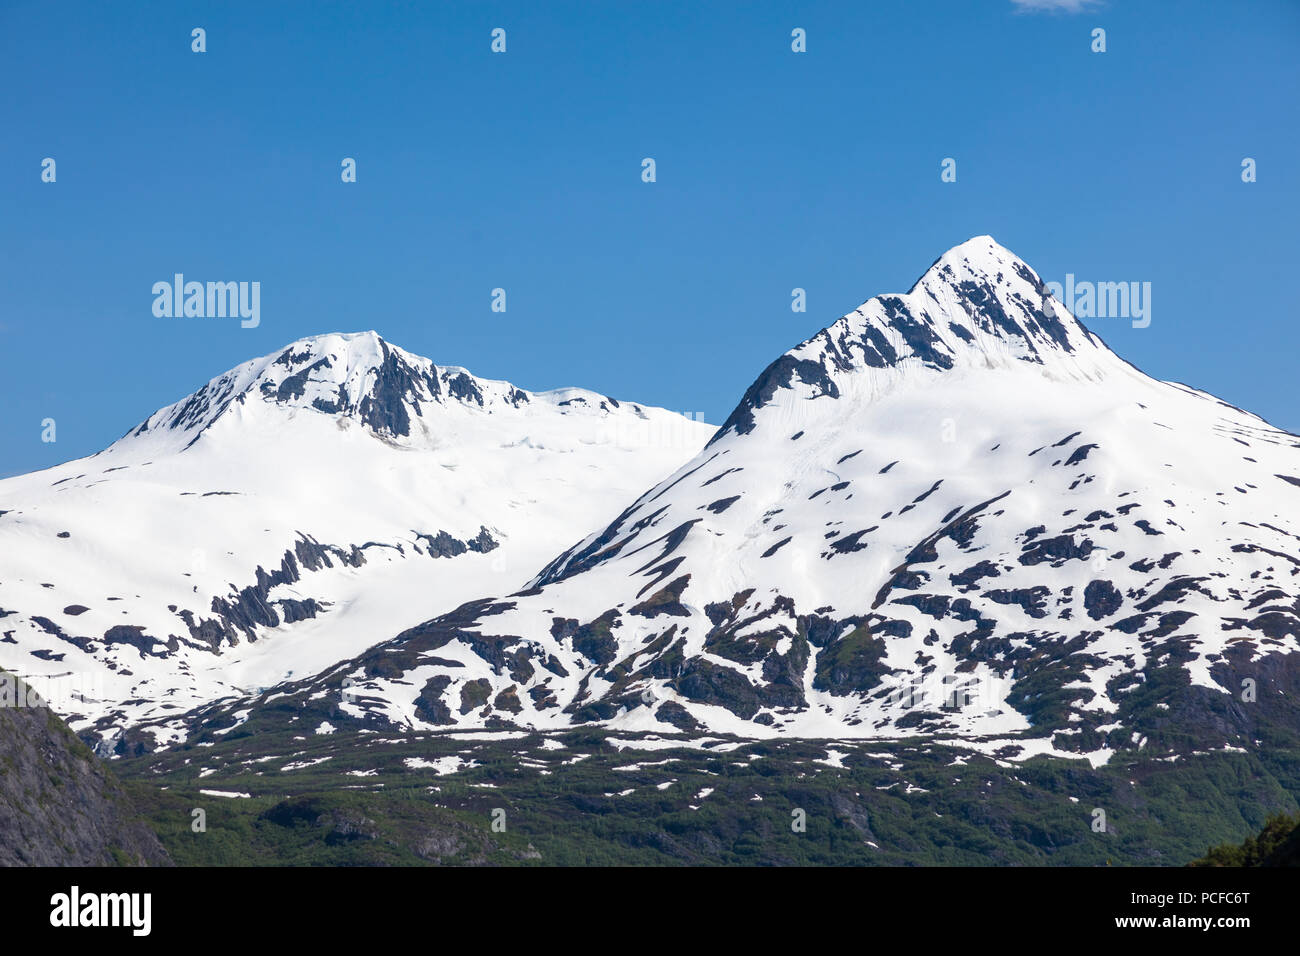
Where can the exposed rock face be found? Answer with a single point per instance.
(59, 805)
(295, 510)
(952, 512)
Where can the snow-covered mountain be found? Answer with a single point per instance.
(294, 511)
(954, 512)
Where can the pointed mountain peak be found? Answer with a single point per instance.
(979, 306)
(979, 300)
(977, 254)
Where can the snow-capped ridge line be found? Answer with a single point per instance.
(293, 510)
(978, 306)
(357, 376)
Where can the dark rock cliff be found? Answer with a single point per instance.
(59, 805)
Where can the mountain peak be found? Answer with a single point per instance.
(978, 248)
(357, 376)
(977, 300)
(978, 306)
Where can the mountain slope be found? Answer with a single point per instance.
(954, 512)
(1277, 844)
(295, 510)
(59, 806)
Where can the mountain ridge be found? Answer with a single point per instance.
(307, 495)
(977, 304)
(1017, 540)
(354, 375)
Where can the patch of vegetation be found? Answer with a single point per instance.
(1278, 844)
(587, 797)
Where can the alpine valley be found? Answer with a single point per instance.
(953, 581)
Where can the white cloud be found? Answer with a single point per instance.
(1054, 6)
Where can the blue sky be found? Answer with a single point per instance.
(522, 170)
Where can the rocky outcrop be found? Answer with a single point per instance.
(59, 806)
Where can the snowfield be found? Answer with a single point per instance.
(953, 512)
(295, 511)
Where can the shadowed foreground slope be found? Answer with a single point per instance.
(59, 806)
